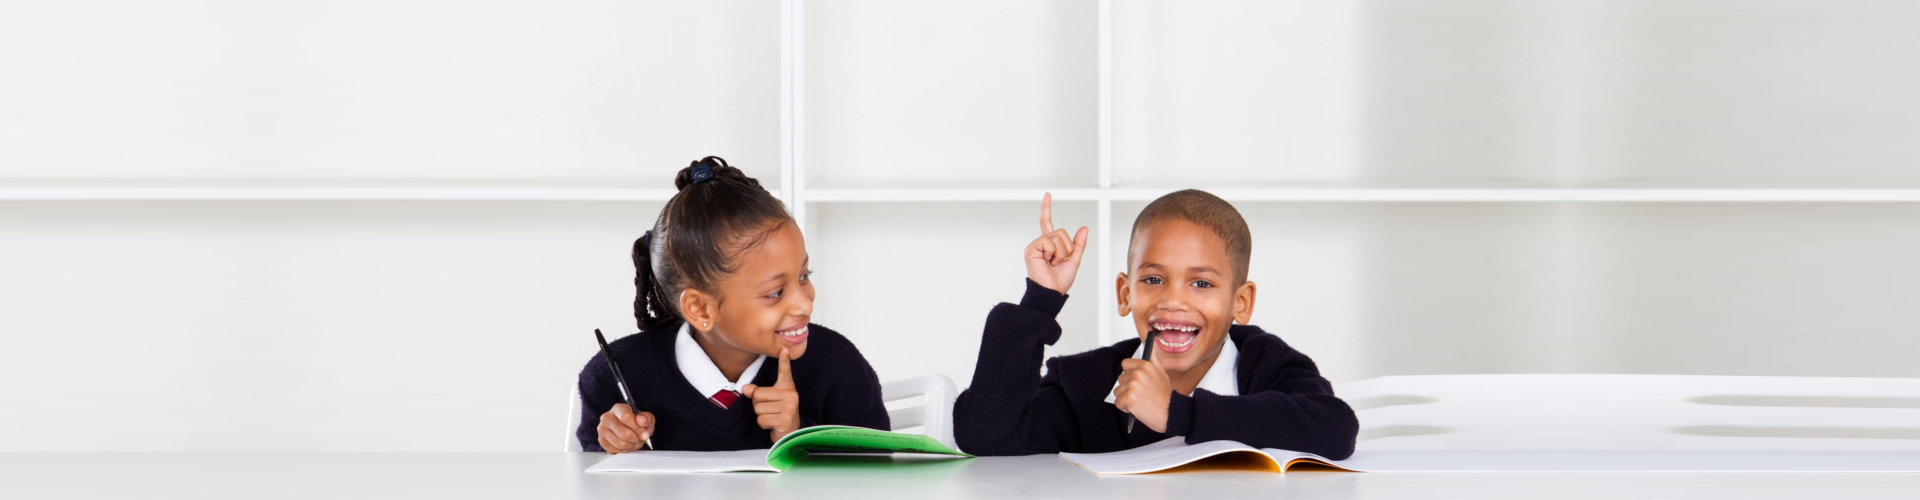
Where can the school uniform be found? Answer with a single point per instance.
(1259, 392)
(698, 408)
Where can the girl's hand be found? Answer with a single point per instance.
(779, 405)
(1053, 259)
(1144, 392)
(623, 430)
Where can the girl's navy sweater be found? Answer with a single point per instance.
(835, 384)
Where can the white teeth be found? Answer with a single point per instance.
(1163, 341)
(1176, 328)
(794, 332)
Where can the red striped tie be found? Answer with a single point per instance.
(724, 398)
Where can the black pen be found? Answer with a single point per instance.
(618, 379)
(1146, 353)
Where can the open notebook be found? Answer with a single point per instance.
(784, 453)
(1173, 452)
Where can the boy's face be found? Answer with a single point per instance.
(768, 300)
(1180, 282)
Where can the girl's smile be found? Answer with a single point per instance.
(795, 335)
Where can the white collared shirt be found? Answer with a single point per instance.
(699, 369)
(1218, 381)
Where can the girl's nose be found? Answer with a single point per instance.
(802, 306)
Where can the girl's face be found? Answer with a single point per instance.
(1181, 284)
(766, 303)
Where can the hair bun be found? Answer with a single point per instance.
(702, 170)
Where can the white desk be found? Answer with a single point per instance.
(1636, 412)
(271, 476)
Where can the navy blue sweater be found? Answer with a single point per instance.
(1010, 409)
(835, 383)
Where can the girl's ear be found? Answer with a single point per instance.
(699, 309)
(1243, 303)
(1121, 285)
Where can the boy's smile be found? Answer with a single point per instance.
(1175, 336)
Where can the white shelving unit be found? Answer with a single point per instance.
(383, 198)
(1097, 186)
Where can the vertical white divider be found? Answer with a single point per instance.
(793, 122)
(1104, 267)
(1102, 238)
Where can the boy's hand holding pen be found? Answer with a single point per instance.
(1144, 391)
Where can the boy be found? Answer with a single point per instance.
(1211, 376)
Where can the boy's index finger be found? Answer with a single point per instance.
(1046, 213)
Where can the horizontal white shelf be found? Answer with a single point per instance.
(333, 194)
(1381, 195)
(895, 195)
(951, 194)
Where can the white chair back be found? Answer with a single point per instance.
(922, 405)
(574, 406)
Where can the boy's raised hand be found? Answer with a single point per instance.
(778, 405)
(622, 430)
(1053, 259)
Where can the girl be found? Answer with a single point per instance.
(726, 358)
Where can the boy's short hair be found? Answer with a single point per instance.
(1208, 211)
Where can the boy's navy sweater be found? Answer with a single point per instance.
(1010, 409)
(835, 383)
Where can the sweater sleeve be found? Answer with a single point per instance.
(594, 401)
(1009, 409)
(1292, 408)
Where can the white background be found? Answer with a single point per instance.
(325, 322)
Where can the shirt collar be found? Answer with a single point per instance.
(699, 369)
(1218, 380)
(1222, 381)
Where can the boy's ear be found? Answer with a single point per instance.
(1243, 303)
(1120, 285)
(699, 309)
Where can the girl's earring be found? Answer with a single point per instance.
(706, 325)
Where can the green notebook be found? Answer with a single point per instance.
(785, 453)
